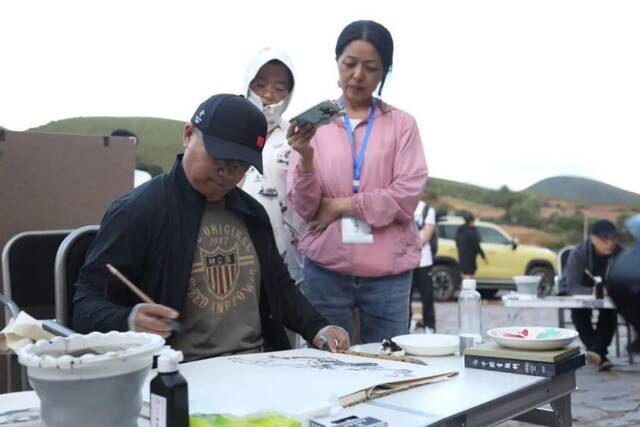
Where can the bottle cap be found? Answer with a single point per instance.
(168, 360)
(469, 284)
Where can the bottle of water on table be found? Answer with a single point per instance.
(469, 316)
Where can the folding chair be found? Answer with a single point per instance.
(27, 270)
(27, 276)
(10, 306)
(69, 259)
(563, 257)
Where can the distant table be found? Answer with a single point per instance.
(563, 303)
(513, 300)
(574, 301)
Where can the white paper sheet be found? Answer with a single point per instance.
(295, 382)
(20, 331)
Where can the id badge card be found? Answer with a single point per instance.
(355, 230)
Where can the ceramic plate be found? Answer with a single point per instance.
(428, 344)
(532, 337)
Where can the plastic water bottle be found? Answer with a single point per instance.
(469, 316)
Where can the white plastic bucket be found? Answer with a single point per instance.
(527, 285)
(93, 379)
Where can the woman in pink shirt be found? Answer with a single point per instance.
(357, 182)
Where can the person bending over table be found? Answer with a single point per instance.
(585, 272)
(202, 249)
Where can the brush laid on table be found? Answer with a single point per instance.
(405, 359)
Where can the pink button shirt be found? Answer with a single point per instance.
(391, 184)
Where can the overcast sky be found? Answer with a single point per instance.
(504, 92)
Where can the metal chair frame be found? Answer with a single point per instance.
(62, 288)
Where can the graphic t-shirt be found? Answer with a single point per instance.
(221, 311)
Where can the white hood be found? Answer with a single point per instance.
(272, 113)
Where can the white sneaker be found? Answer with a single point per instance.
(428, 330)
(412, 326)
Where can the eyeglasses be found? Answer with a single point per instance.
(233, 166)
(278, 90)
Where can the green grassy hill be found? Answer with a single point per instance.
(159, 139)
(584, 190)
(532, 212)
(444, 187)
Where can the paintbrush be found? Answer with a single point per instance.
(405, 359)
(596, 279)
(175, 325)
(598, 288)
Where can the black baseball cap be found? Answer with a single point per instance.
(604, 228)
(232, 128)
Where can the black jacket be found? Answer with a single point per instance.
(468, 245)
(581, 258)
(150, 236)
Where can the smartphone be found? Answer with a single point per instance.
(319, 114)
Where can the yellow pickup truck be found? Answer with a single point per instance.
(506, 258)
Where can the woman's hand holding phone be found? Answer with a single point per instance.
(299, 139)
(304, 125)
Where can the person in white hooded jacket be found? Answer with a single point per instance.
(269, 84)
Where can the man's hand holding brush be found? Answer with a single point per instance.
(153, 318)
(148, 316)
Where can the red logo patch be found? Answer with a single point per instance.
(260, 141)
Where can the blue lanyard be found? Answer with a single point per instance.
(359, 160)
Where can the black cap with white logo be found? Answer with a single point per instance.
(232, 128)
(604, 228)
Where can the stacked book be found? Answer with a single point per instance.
(542, 363)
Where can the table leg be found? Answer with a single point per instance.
(558, 416)
(562, 409)
(561, 322)
(512, 315)
(528, 405)
(629, 353)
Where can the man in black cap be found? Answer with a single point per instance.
(585, 273)
(202, 249)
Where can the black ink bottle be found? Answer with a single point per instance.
(169, 393)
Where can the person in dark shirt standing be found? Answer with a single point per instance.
(468, 244)
(585, 273)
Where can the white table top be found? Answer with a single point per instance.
(18, 400)
(29, 399)
(574, 301)
(471, 388)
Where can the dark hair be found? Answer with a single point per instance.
(291, 81)
(125, 132)
(468, 217)
(374, 33)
